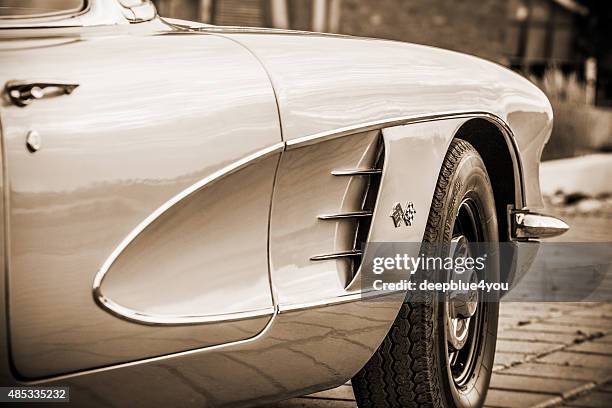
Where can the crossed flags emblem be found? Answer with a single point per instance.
(400, 215)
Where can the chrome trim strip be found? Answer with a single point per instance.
(405, 120)
(139, 317)
(529, 225)
(356, 172)
(214, 29)
(342, 298)
(353, 214)
(336, 255)
(378, 124)
(161, 320)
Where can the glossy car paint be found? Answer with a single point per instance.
(335, 86)
(302, 351)
(305, 189)
(380, 81)
(179, 269)
(115, 150)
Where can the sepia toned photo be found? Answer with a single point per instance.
(306, 203)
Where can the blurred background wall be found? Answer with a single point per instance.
(564, 46)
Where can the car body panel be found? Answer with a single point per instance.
(376, 81)
(120, 146)
(325, 344)
(306, 188)
(147, 283)
(138, 165)
(325, 341)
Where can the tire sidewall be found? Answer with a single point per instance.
(470, 179)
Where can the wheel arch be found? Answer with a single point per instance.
(496, 146)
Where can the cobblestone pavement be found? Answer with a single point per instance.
(548, 354)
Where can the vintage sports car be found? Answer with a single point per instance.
(185, 207)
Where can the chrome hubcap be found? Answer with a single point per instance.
(462, 303)
(464, 310)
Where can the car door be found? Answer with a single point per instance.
(139, 180)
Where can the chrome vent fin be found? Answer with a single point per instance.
(351, 214)
(361, 218)
(357, 172)
(337, 255)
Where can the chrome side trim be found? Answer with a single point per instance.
(354, 296)
(336, 255)
(528, 225)
(214, 29)
(139, 317)
(405, 120)
(356, 172)
(342, 298)
(161, 320)
(353, 214)
(388, 122)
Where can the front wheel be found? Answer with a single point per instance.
(437, 354)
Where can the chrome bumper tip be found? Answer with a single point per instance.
(529, 225)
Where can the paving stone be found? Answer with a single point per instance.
(533, 310)
(594, 399)
(344, 392)
(508, 322)
(582, 321)
(526, 314)
(593, 347)
(507, 359)
(566, 307)
(606, 387)
(512, 399)
(514, 308)
(579, 360)
(549, 307)
(544, 337)
(557, 371)
(604, 339)
(533, 384)
(561, 328)
(525, 347)
(599, 312)
(313, 403)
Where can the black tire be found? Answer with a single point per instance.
(412, 367)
